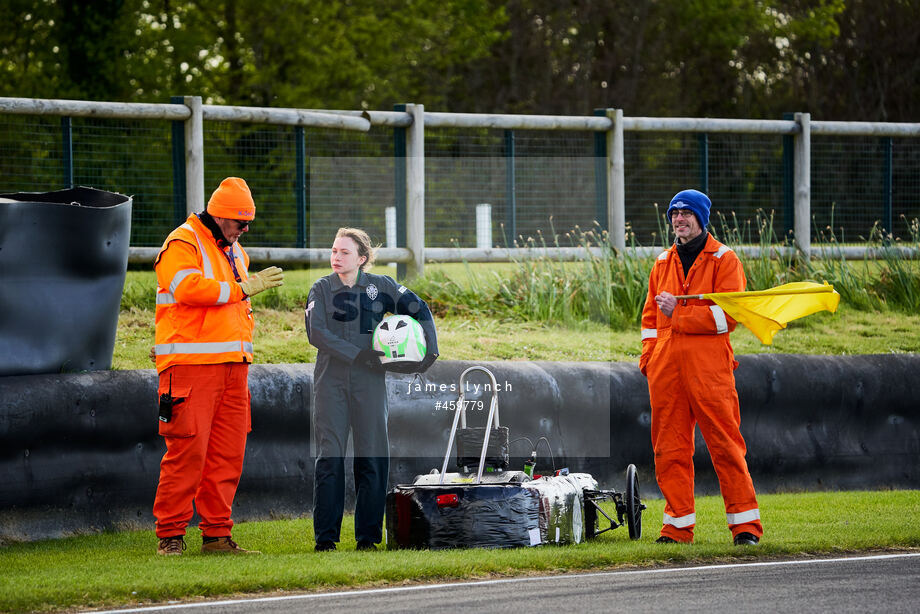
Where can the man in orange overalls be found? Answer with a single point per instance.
(203, 352)
(688, 360)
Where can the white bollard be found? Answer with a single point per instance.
(389, 215)
(484, 226)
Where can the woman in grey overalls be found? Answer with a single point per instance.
(349, 390)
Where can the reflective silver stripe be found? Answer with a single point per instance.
(205, 261)
(169, 298)
(723, 249)
(217, 347)
(663, 255)
(742, 517)
(179, 276)
(681, 523)
(649, 333)
(719, 316)
(224, 293)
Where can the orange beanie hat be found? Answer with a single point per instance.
(232, 200)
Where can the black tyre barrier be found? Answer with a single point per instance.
(80, 452)
(63, 257)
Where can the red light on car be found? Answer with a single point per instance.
(451, 500)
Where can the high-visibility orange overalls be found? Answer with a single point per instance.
(203, 351)
(689, 363)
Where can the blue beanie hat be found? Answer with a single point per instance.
(694, 200)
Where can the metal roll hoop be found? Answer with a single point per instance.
(460, 417)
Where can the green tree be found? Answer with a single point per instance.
(650, 57)
(91, 50)
(862, 67)
(840, 59)
(31, 63)
(340, 54)
(333, 54)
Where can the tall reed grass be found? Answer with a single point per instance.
(899, 278)
(610, 287)
(888, 281)
(606, 287)
(776, 261)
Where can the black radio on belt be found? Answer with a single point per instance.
(167, 402)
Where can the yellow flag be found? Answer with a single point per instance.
(766, 311)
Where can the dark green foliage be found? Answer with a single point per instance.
(844, 59)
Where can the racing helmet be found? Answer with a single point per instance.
(402, 341)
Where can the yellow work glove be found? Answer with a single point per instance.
(263, 280)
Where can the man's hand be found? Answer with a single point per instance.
(153, 354)
(371, 358)
(263, 280)
(666, 303)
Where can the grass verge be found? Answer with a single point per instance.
(114, 569)
(469, 330)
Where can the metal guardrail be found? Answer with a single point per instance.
(84, 108)
(313, 256)
(415, 120)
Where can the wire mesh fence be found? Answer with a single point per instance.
(31, 153)
(308, 182)
(352, 180)
(746, 176)
(347, 179)
(559, 184)
(463, 168)
(131, 157)
(851, 189)
(535, 182)
(658, 165)
(264, 155)
(905, 187)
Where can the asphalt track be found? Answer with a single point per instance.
(879, 583)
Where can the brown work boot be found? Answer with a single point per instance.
(171, 546)
(223, 545)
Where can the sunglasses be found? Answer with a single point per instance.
(687, 213)
(243, 223)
